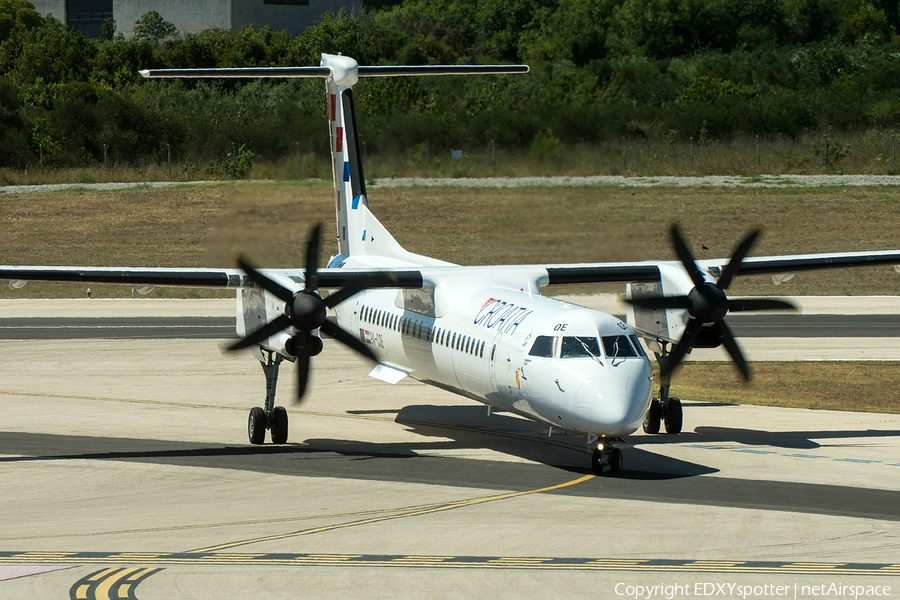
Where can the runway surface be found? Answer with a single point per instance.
(127, 471)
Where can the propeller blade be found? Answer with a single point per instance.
(735, 263)
(302, 376)
(751, 304)
(681, 349)
(733, 349)
(685, 256)
(332, 329)
(660, 302)
(266, 331)
(311, 274)
(276, 289)
(356, 286)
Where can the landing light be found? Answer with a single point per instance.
(601, 446)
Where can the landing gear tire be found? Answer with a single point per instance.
(615, 462)
(596, 465)
(673, 416)
(279, 425)
(256, 426)
(607, 456)
(651, 420)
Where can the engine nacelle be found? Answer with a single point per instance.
(708, 338)
(294, 345)
(663, 324)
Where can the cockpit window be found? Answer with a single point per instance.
(579, 347)
(637, 345)
(543, 346)
(618, 346)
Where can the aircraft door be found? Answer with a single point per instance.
(492, 361)
(348, 318)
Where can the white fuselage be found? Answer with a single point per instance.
(566, 366)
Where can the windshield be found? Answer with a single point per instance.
(618, 346)
(543, 346)
(580, 347)
(637, 345)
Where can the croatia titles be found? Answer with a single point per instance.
(501, 316)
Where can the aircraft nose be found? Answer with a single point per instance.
(620, 413)
(612, 412)
(611, 409)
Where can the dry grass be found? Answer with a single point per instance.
(539, 225)
(193, 226)
(206, 225)
(853, 386)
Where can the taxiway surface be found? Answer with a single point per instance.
(126, 471)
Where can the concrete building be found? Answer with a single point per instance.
(194, 16)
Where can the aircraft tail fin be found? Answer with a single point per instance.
(341, 73)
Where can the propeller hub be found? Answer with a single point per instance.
(307, 311)
(708, 303)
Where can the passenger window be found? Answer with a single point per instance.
(579, 347)
(618, 346)
(543, 346)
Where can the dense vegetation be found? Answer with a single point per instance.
(601, 70)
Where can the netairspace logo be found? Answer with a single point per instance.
(733, 590)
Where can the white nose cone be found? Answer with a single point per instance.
(611, 410)
(620, 414)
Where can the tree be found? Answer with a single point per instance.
(151, 26)
(17, 14)
(107, 29)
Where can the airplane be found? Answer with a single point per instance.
(483, 332)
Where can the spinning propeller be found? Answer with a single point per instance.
(305, 311)
(707, 303)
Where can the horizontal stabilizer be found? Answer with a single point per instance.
(289, 72)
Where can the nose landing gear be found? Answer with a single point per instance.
(604, 456)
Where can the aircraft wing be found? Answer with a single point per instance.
(649, 271)
(771, 265)
(197, 277)
(411, 277)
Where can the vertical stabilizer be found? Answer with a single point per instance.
(346, 158)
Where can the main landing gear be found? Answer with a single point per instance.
(604, 455)
(666, 408)
(274, 418)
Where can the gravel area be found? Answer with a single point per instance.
(60, 187)
(759, 181)
(710, 181)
